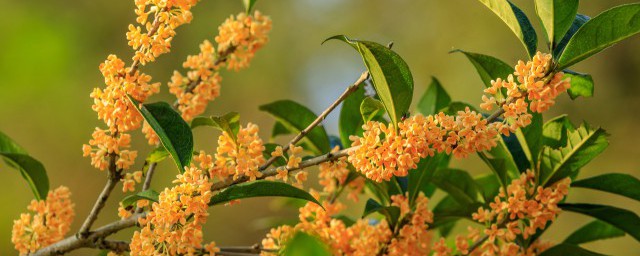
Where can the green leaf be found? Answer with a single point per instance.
(620, 218)
(578, 21)
(568, 249)
(279, 129)
(391, 213)
(350, 121)
(434, 99)
(456, 106)
(157, 155)
(604, 30)
(581, 84)
(390, 75)
(303, 244)
(229, 123)
(517, 22)
(501, 163)
(248, 5)
(148, 194)
(345, 219)
(270, 147)
(616, 183)
(296, 117)
(371, 108)
(420, 177)
(595, 230)
(554, 132)
(458, 184)
(261, 188)
(448, 210)
(489, 68)
(490, 186)
(583, 144)
(174, 133)
(31, 170)
(532, 138)
(556, 16)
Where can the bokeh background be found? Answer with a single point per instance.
(50, 52)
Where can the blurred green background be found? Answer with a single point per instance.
(50, 52)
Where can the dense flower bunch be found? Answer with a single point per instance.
(521, 210)
(104, 144)
(293, 160)
(363, 237)
(239, 156)
(333, 175)
(242, 36)
(49, 223)
(174, 225)
(153, 37)
(385, 151)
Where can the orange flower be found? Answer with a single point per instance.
(243, 35)
(241, 157)
(105, 143)
(49, 223)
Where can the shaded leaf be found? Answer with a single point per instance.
(174, 133)
(568, 249)
(391, 213)
(434, 99)
(578, 21)
(303, 244)
(517, 22)
(389, 73)
(620, 218)
(371, 108)
(31, 170)
(488, 67)
(229, 123)
(131, 200)
(296, 117)
(261, 188)
(604, 30)
(595, 230)
(279, 129)
(554, 132)
(617, 183)
(458, 184)
(420, 177)
(350, 121)
(556, 16)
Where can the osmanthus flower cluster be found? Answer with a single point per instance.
(333, 175)
(48, 224)
(384, 151)
(364, 237)
(174, 224)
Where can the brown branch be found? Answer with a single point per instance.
(352, 88)
(112, 180)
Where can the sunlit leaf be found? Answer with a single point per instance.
(31, 169)
(556, 16)
(371, 108)
(581, 84)
(616, 183)
(595, 230)
(350, 121)
(620, 218)
(568, 249)
(434, 99)
(517, 22)
(131, 200)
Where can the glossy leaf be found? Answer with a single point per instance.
(604, 30)
(9, 146)
(279, 129)
(296, 117)
(420, 177)
(517, 22)
(131, 200)
(434, 99)
(581, 84)
(350, 122)
(583, 144)
(616, 183)
(556, 16)
(458, 184)
(391, 213)
(448, 210)
(578, 21)
(303, 244)
(31, 170)
(568, 249)
(390, 75)
(174, 133)
(530, 140)
(593, 231)
(555, 131)
(489, 68)
(229, 123)
(371, 108)
(261, 188)
(620, 218)
(501, 163)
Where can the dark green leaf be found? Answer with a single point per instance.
(448, 210)
(620, 218)
(420, 177)
(583, 144)
(303, 244)
(229, 123)
(350, 122)
(270, 147)
(174, 133)
(31, 170)
(568, 249)
(532, 139)
(261, 188)
(604, 30)
(501, 163)
(554, 132)
(279, 129)
(617, 183)
(490, 186)
(516, 20)
(456, 106)
(458, 184)
(248, 5)
(556, 17)
(345, 219)
(581, 84)
(131, 200)
(578, 21)
(7, 145)
(390, 75)
(489, 68)
(371, 108)
(391, 213)
(434, 99)
(296, 117)
(595, 230)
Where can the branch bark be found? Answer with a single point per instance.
(112, 180)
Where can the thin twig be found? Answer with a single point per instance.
(147, 180)
(112, 180)
(352, 88)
